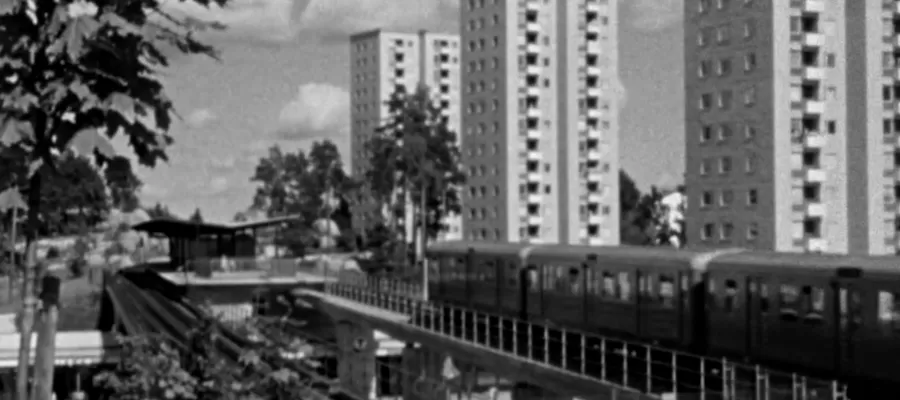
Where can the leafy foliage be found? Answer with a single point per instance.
(310, 185)
(159, 211)
(415, 150)
(123, 184)
(196, 216)
(642, 219)
(73, 196)
(155, 368)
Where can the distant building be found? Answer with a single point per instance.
(792, 125)
(383, 62)
(540, 128)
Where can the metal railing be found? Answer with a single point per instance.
(662, 373)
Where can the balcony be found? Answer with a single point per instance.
(533, 69)
(814, 175)
(533, 112)
(595, 219)
(532, 5)
(596, 241)
(896, 7)
(594, 197)
(896, 41)
(533, 155)
(532, 27)
(592, 6)
(897, 107)
(532, 90)
(814, 209)
(592, 70)
(593, 155)
(534, 198)
(813, 39)
(594, 176)
(815, 107)
(593, 27)
(532, 48)
(533, 133)
(593, 91)
(534, 219)
(814, 140)
(594, 47)
(816, 245)
(593, 113)
(814, 6)
(533, 177)
(813, 73)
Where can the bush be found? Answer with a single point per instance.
(77, 267)
(53, 253)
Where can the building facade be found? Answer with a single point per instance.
(382, 63)
(791, 124)
(540, 120)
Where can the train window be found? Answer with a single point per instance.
(813, 301)
(575, 284)
(591, 283)
(548, 277)
(534, 281)
(609, 285)
(489, 271)
(790, 295)
(512, 274)
(763, 298)
(889, 309)
(731, 301)
(624, 286)
(650, 285)
(667, 291)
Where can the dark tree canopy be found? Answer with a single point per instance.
(159, 211)
(312, 185)
(73, 196)
(416, 150)
(123, 184)
(196, 216)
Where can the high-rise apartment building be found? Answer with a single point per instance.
(540, 120)
(382, 63)
(791, 124)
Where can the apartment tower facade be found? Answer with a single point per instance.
(791, 124)
(540, 120)
(380, 64)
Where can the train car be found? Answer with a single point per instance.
(637, 292)
(480, 275)
(820, 313)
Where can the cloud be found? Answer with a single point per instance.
(324, 20)
(654, 15)
(218, 185)
(318, 111)
(152, 191)
(199, 117)
(222, 162)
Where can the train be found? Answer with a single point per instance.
(832, 316)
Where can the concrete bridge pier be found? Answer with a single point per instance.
(423, 377)
(356, 357)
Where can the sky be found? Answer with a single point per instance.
(284, 76)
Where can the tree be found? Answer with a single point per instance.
(631, 226)
(72, 75)
(160, 211)
(311, 185)
(123, 184)
(415, 152)
(73, 197)
(196, 216)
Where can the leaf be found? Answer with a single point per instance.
(78, 31)
(122, 26)
(122, 104)
(87, 141)
(14, 131)
(12, 198)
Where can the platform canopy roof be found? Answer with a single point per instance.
(178, 228)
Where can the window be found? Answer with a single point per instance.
(609, 285)
(727, 231)
(750, 96)
(749, 62)
(704, 167)
(707, 232)
(789, 296)
(705, 133)
(814, 302)
(730, 300)
(726, 197)
(889, 309)
(725, 165)
(705, 101)
(667, 291)
(706, 199)
(624, 286)
(752, 197)
(752, 231)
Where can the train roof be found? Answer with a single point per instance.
(658, 257)
(772, 262)
(463, 246)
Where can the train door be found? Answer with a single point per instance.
(848, 310)
(757, 300)
(528, 280)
